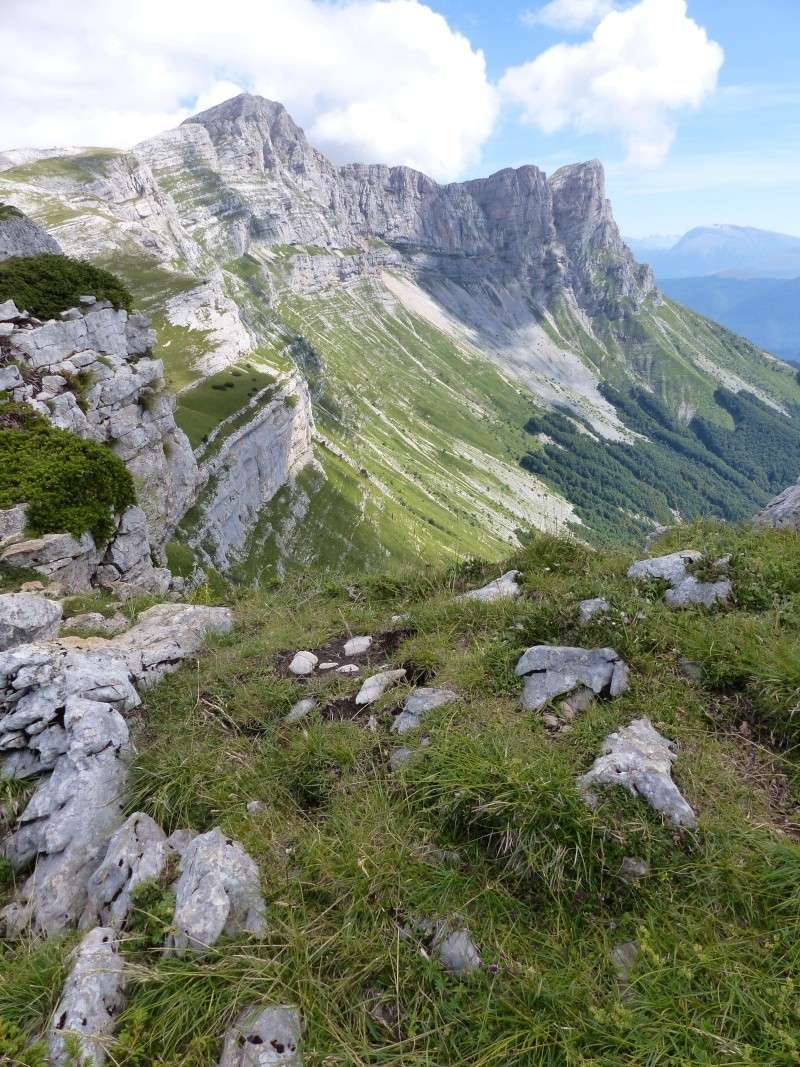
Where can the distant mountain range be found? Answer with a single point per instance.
(745, 278)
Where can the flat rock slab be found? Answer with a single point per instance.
(264, 1037)
(375, 686)
(554, 670)
(26, 617)
(640, 760)
(92, 998)
(504, 586)
(417, 704)
(218, 892)
(687, 591)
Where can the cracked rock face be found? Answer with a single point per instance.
(218, 892)
(264, 1037)
(138, 851)
(640, 760)
(92, 998)
(551, 671)
(65, 828)
(504, 586)
(417, 704)
(25, 617)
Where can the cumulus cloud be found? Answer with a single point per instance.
(371, 80)
(569, 14)
(640, 67)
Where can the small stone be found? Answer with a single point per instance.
(588, 609)
(396, 619)
(623, 958)
(399, 758)
(690, 670)
(551, 722)
(348, 668)
(504, 586)
(31, 587)
(8, 311)
(375, 686)
(300, 710)
(255, 807)
(632, 869)
(357, 646)
(328, 666)
(417, 704)
(87, 299)
(264, 1037)
(303, 663)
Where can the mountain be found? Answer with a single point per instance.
(470, 359)
(740, 250)
(766, 310)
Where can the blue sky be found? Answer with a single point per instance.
(735, 159)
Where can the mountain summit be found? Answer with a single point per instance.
(470, 359)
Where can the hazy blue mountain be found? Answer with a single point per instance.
(741, 250)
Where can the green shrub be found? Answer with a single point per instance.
(7, 211)
(47, 284)
(69, 484)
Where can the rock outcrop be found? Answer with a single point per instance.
(92, 998)
(20, 236)
(26, 617)
(551, 671)
(783, 512)
(686, 590)
(640, 760)
(264, 1037)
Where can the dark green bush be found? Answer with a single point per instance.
(9, 212)
(47, 284)
(69, 484)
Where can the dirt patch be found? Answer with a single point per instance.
(383, 645)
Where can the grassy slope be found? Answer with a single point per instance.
(485, 823)
(434, 433)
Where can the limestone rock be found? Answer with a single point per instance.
(348, 668)
(58, 556)
(264, 1037)
(417, 704)
(357, 646)
(623, 959)
(303, 663)
(25, 617)
(12, 520)
(449, 941)
(218, 892)
(301, 710)
(588, 609)
(640, 760)
(504, 586)
(632, 869)
(138, 851)
(672, 568)
(65, 828)
(20, 236)
(95, 620)
(783, 511)
(92, 998)
(553, 670)
(691, 592)
(375, 686)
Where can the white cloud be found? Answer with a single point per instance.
(569, 14)
(639, 68)
(372, 80)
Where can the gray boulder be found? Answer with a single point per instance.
(375, 686)
(553, 670)
(303, 663)
(92, 998)
(58, 556)
(301, 710)
(264, 1037)
(218, 892)
(504, 586)
(672, 568)
(417, 704)
(691, 592)
(357, 646)
(640, 760)
(21, 236)
(782, 512)
(64, 831)
(137, 852)
(25, 617)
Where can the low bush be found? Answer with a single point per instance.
(68, 483)
(48, 284)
